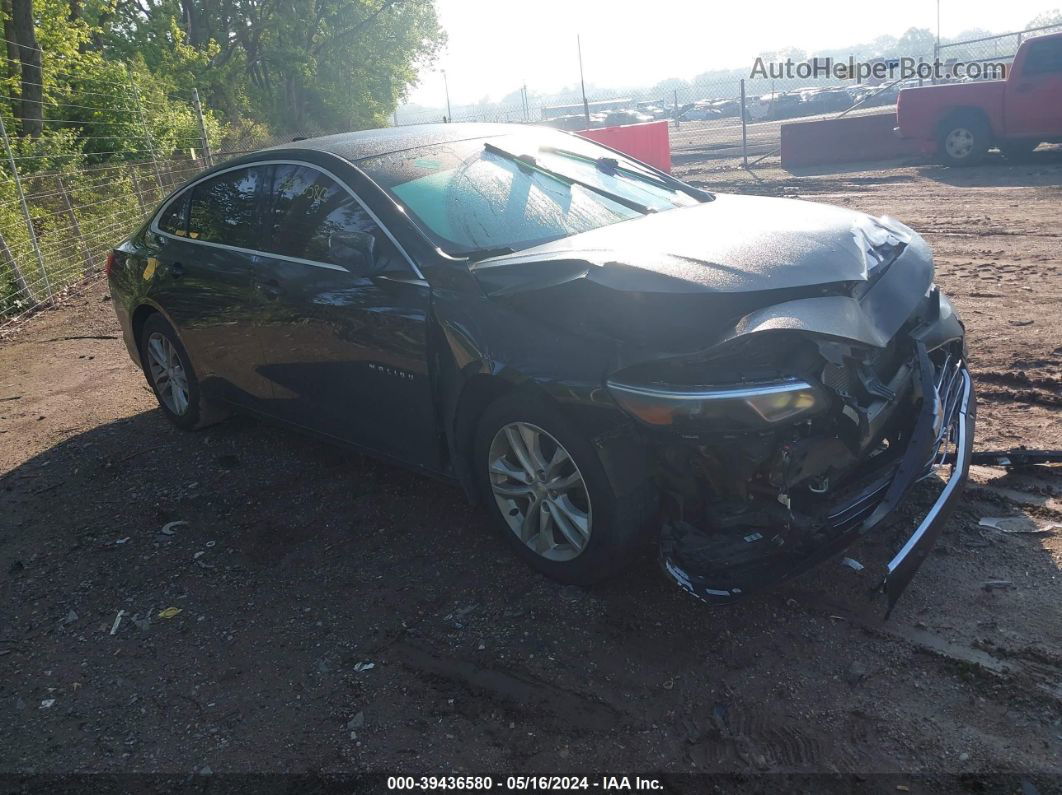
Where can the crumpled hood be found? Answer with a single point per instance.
(734, 244)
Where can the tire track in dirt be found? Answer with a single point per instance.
(1019, 396)
(563, 710)
(763, 740)
(1019, 379)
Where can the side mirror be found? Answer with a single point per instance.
(354, 251)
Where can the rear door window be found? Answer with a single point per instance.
(224, 208)
(174, 218)
(1044, 57)
(306, 208)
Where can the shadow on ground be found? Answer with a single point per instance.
(332, 613)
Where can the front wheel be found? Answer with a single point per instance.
(548, 492)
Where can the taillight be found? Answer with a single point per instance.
(108, 266)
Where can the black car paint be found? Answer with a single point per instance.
(206, 293)
(268, 308)
(327, 327)
(413, 354)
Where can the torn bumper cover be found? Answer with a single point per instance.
(941, 438)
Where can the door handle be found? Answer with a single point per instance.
(269, 288)
(176, 270)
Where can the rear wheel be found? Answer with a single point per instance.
(963, 140)
(548, 492)
(172, 378)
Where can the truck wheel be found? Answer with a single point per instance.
(1018, 151)
(550, 497)
(963, 140)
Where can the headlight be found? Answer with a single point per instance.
(741, 404)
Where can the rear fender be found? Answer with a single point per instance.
(968, 114)
(146, 306)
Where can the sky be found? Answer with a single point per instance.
(495, 46)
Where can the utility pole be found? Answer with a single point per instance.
(936, 48)
(27, 216)
(582, 82)
(938, 26)
(744, 128)
(446, 85)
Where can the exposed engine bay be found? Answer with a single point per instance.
(800, 443)
(749, 509)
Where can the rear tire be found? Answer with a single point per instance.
(169, 371)
(963, 140)
(525, 451)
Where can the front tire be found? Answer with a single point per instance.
(172, 378)
(549, 495)
(963, 140)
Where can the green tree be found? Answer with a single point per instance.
(916, 42)
(30, 108)
(1046, 18)
(299, 65)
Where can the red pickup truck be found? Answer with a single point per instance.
(961, 121)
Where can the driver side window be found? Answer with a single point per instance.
(309, 216)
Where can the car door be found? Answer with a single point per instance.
(1034, 98)
(344, 336)
(202, 280)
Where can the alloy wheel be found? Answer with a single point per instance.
(167, 373)
(540, 491)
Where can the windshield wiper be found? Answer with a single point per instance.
(486, 253)
(611, 166)
(529, 162)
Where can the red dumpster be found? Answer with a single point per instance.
(648, 142)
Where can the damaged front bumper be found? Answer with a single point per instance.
(941, 437)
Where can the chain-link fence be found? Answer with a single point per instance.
(1001, 48)
(70, 194)
(706, 117)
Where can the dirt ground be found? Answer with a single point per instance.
(340, 615)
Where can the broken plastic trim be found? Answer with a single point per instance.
(919, 458)
(906, 562)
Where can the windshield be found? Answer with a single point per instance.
(475, 196)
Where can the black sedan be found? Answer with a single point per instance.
(605, 356)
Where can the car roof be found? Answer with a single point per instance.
(355, 146)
